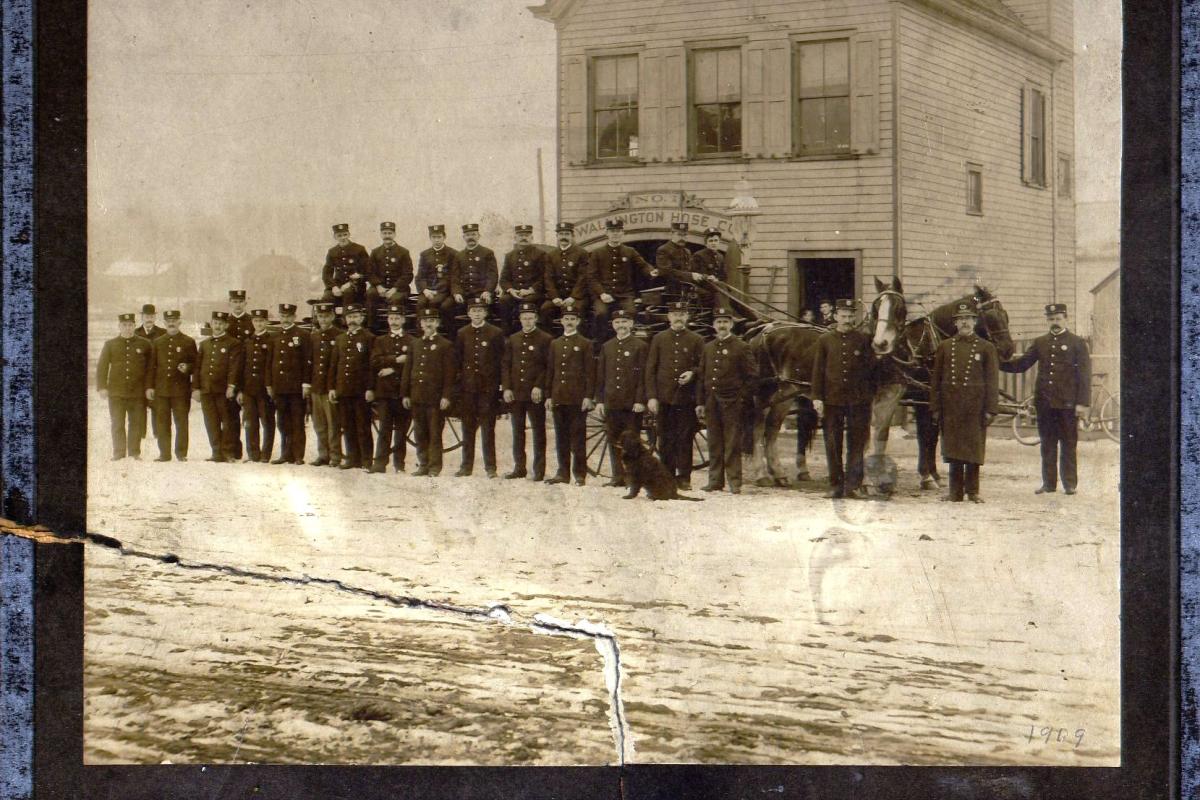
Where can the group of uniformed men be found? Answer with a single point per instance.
(245, 376)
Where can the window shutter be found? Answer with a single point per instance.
(576, 110)
(650, 106)
(766, 99)
(1027, 135)
(864, 94)
(674, 104)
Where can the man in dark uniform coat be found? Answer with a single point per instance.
(523, 278)
(428, 384)
(674, 261)
(123, 377)
(566, 275)
(346, 270)
(1063, 393)
(611, 276)
(391, 272)
(254, 394)
(478, 349)
(477, 274)
(149, 331)
(351, 387)
(842, 389)
(435, 266)
(240, 327)
(672, 363)
(708, 267)
(572, 376)
(964, 398)
(172, 365)
(524, 378)
(291, 375)
(326, 425)
(621, 387)
(218, 375)
(727, 373)
(389, 354)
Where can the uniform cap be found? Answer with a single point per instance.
(287, 308)
(237, 294)
(1056, 308)
(125, 317)
(523, 228)
(477, 302)
(220, 316)
(965, 309)
(528, 308)
(258, 313)
(565, 227)
(437, 229)
(677, 305)
(722, 312)
(709, 232)
(614, 224)
(353, 308)
(570, 311)
(620, 313)
(387, 226)
(172, 315)
(148, 308)
(844, 305)
(341, 227)
(679, 226)
(326, 307)
(396, 309)
(427, 313)
(471, 227)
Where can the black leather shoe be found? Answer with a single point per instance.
(974, 498)
(1043, 490)
(683, 484)
(163, 458)
(735, 490)
(619, 484)
(181, 458)
(463, 473)
(509, 476)
(835, 494)
(711, 488)
(855, 494)
(491, 473)
(320, 462)
(215, 459)
(398, 468)
(280, 460)
(420, 472)
(558, 479)
(579, 481)
(1068, 491)
(536, 478)
(349, 465)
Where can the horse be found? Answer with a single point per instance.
(908, 347)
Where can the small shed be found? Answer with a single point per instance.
(1106, 330)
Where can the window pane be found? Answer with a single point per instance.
(812, 125)
(615, 130)
(707, 129)
(837, 68)
(606, 81)
(812, 70)
(731, 127)
(627, 79)
(974, 191)
(729, 75)
(837, 123)
(704, 86)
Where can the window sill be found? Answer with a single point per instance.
(828, 157)
(1032, 185)
(610, 164)
(974, 213)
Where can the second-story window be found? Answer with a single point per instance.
(717, 101)
(822, 81)
(615, 107)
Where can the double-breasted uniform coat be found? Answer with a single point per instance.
(435, 270)
(525, 367)
(350, 376)
(326, 425)
(572, 378)
(728, 371)
(429, 378)
(390, 352)
(479, 352)
(621, 385)
(291, 370)
(673, 353)
(173, 360)
(524, 268)
(258, 409)
(219, 369)
(842, 379)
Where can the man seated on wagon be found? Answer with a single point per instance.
(611, 277)
(566, 275)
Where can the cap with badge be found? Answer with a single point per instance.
(354, 308)
(677, 305)
(287, 308)
(429, 312)
(1055, 308)
(172, 314)
(477, 302)
(323, 308)
(435, 230)
(711, 232)
(528, 308)
(220, 316)
(237, 294)
(395, 309)
(965, 309)
(523, 228)
(621, 313)
(341, 227)
(570, 311)
(844, 305)
(564, 227)
(722, 312)
(614, 224)
(679, 226)
(387, 226)
(258, 313)
(148, 309)
(125, 317)
(471, 227)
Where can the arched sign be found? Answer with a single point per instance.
(648, 215)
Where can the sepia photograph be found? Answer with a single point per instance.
(604, 383)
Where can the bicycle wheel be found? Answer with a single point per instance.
(700, 450)
(1024, 423)
(1110, 418)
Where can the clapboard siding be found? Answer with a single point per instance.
(960, 102)
(1034, 13)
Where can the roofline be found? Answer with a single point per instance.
(552, 10)
(1107, 280)
(1002, 28)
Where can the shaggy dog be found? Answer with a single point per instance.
(643, 469)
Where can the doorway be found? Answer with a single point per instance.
(825, 275)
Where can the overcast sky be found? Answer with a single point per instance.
(331, 110)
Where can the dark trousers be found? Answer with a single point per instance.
(168, 410)
(1059, 430)
(518, 412)
(152, 410)
(853, 423)
(616, 422)
(570, 440)
(327, 428)
(479, 414)
(427, 423)
(963, 476)
(258, 420)
(355, 417)
(235, 415)
(394, 421)
(293, 436)
(603, 330)
(221, 426)
(724, 421)
(927, 439)
(128, 415)
(677, 434)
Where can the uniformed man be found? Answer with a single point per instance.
(346, 270)
(326, 425)
(842, 392)
(291, 377)
(964, 399)
(123, 377)
(172, 365)
(1062, 394)
(523, 278)
(566, 275)
(428, 384)
(435, 266)
(254, 395)
(477, 274)
(621, 387)
(672, 363)
(727, 373)
(391, 272)
(351, 387)
(149, 329)
(389, 354)
(478, 349)
(708, 267)
(611, 276)
(674, 262)
(240, 327)
(524, 377)
(218, 375)
(572, 377)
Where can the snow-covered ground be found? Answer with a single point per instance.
(774, 627)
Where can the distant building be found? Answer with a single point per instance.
(1106, 330)
(931, 139)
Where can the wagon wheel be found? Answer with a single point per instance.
(596, 446)
(1024, 422)
(700, 449)
(1110, 418)
(451, 435)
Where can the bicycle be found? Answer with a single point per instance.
(1104, 415)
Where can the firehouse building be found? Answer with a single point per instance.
(834, 141)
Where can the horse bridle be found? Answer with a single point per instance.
(984, 305)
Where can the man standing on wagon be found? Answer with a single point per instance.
(727, 373)
(1063, 393)
(842, 389)
(964, 398)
